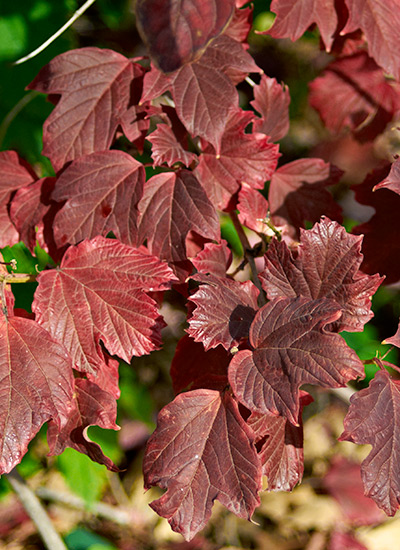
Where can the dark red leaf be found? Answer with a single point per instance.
(173, 204)
(135, 123)
(166, 148)
(281, 451)
(291, 348)
(214, 258)
(253, 209)
(102, 191)
(94, 85)
(380, 22)
(178, 32)
(271, 100)
(202, 450)
(192, 367)
(298, 193)
(294, 18)
(14, 174)
(353, 92)
(224, 311)
(372, 420)
(93, 407)
(240, 25)
(155, 83)
(248, 158)
(36, 386)
(392, 181)
(327, 265)
(98, 293)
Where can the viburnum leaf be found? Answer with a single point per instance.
(102, 191)
(392, 181)
(178, 32)
(93, 407)
(193, 367)
(14, 174)
(372, 420)
(381, 228)
(298, 193)
(240, 24)
(253, 209)
(353, 92)
(214, 258)
(248, 158)
(36, 386)
(224, 311)
(395, 339)
(94, 85)
(326, 265)
(294, 18)
(380, 22)
(271, 100)
(166, 148)
(281, 452)
(202, 450)
(291, 348)
(98, 293)
(173, 204)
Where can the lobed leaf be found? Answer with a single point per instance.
(271, 100)
(166, 148)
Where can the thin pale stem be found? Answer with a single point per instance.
(36, 512)
(43, 46)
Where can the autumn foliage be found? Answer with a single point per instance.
(121, 234)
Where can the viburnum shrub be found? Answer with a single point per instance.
(119, 240)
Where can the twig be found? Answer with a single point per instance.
(43, 46)
(36, 512)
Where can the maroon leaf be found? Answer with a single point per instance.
(135, 123)
(224, 311)
(166, 148)
(253, 209)
(294, 18)
(192, 367)
(381, 228)
(281, 451)
(354, 92)
(240, 24)
(327, 265)
(395, 339)
(392, 181)
(271, 100)
(178, 32)
(372, 420)
(93, 407)
(380, 22)
(297, 192)
(102, 191)
(291, 348)
(217, 461)
(36, 386)
(99, 293)
(94, 85)
(214, 258)
(248, 158)
(14, 174)
(155, 83)
(173, 204)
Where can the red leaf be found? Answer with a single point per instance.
(253, 209)
(135, 123)
(36, 375)
(98, 293)
(392, 181)
(354, 92)
(372, 420)
(14, 174)
(291, 348)
(380, 22)
(173, 204)
(166, 148)
(94, 85)
(102, 191)
(178, 32)
(294, 18)
(297, 192)
(271, 100)
(341, 541)
(224, 311)
(281, 452)
(327, 265)
(93, 407)
(192, 367)
(214, 258)
(240, 25)
(217, 461)
(248, 158)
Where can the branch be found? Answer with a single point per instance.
(36, 512)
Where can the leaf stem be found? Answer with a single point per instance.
(247, 251)
(36, 512)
